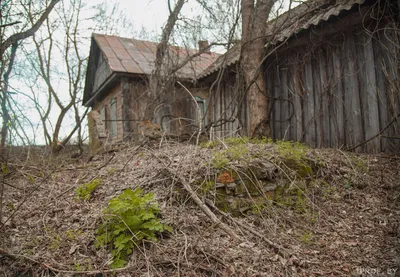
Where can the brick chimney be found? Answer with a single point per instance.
(204, 44)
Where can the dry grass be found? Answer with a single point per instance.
(349, 219)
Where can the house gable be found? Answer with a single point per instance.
(98, 71)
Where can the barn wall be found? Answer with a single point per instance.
(338, 94)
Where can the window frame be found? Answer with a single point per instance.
(113, 126)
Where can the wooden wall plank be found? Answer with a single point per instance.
(381, 90)
(298, 81)
(392, 66)
(325, 98)
(291, 104)
(371, 109)
(354, 131)
(284, 115)
(318, 110)
(309, 106)
(338, 126)
(276, 106)
(218, 113)
(271, 91)
(224, 104)
(228, 110)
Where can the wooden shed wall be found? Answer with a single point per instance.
(340, 93)
(226, 108)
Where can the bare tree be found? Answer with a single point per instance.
(55, 64)
(11, 17)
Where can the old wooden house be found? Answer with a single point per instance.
(331, 68)
(117, 86)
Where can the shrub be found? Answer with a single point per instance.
(129, 218)
(85, 191)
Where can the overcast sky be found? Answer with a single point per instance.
(150, 14)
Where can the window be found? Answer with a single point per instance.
(103, 116)
(202, 105)
(113, 117)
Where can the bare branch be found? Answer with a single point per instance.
(30, 32)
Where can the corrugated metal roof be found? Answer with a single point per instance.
(306, 15)
(302, 17)
(126, 55)
(230, 57)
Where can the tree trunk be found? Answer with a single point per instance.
(157, 79)
(254, 18)
(4, 98)
(13, 41)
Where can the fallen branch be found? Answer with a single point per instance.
(205, 208)
(8, 184)
(278, 248)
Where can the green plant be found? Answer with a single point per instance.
(359, 163)
(208, 144)
(293, 155)
(4, 168)
(291, 150)
(220, 160)
(129, 218)
(84, 192)
(206, 186)
(306, 237)
(237, 152)
(31, 179)
(78, 267)
(72, 235)
(55, 241)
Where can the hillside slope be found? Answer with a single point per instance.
(259, 209)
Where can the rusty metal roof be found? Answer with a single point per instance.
(290, 23)
(125, 55)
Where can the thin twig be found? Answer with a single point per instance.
(377, 135)
(204, 207)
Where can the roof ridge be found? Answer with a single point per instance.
(153, 42)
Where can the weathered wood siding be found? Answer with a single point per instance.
(226, 108)
(105, 102)
(175, 115)
(102, 72)
(339, 94)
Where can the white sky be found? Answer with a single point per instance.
(150, 14)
